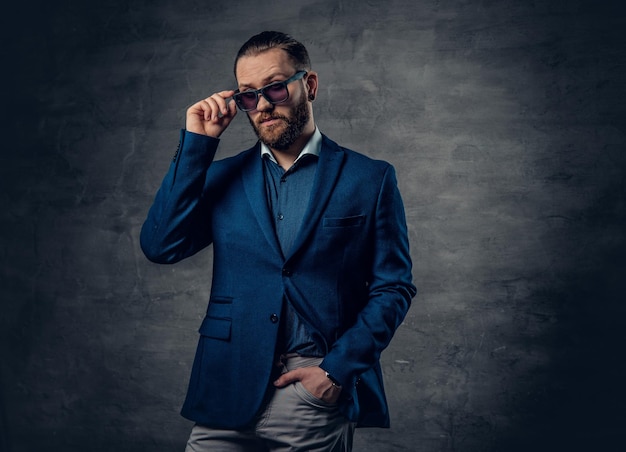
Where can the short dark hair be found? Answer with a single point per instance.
(276, 40)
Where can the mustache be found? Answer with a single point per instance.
(270, 116)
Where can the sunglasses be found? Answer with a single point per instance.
(274, 93)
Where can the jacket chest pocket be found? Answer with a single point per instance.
(344, 222)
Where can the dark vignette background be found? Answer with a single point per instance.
(505, 120)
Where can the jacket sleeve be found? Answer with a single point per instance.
(177, 225)
(390, 291)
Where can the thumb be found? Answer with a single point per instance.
(287, 378)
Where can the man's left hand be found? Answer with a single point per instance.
(314, 380)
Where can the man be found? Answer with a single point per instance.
(311, 265)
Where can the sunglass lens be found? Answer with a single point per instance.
(246, 101)
(276, 93)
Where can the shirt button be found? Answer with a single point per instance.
(274, 318)
(281, 216)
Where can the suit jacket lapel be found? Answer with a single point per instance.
(328, 169)
(254, 186)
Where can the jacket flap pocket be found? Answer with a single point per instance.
(219, 307)
(216, 328)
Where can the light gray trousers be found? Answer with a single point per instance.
(293, 420)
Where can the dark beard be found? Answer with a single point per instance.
(295, 126)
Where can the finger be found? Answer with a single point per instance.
(215, 108)
(197, 109)
(288, 378)
(218, 105)
(226, 94)
(232, 108)
(202, 109)
(196, 115)
(220, 98)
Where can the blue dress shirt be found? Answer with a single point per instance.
(288, 194)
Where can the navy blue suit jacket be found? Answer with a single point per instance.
(348, 274)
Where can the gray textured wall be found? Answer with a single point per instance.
(506, 123)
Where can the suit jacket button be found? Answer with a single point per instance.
(286, 272)
(274, 318)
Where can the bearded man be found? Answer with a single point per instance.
(311, 265)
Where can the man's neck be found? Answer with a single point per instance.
(286, 157)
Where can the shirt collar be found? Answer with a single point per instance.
(313, 147)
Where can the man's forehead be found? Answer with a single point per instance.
(262, 67)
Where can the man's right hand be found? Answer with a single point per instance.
(211, 116)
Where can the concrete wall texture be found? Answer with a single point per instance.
(505, 121)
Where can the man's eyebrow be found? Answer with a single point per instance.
(266, 81)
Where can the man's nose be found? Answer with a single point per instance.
(264, 104)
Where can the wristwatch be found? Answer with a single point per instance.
(333, 381)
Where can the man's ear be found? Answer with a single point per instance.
(311, 84)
